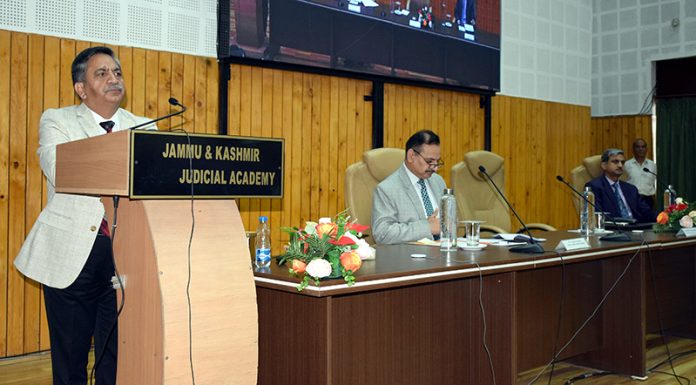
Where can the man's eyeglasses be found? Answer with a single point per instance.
(431, 163)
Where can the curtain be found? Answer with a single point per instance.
(676, 145)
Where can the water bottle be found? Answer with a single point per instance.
(263, 244)
(669, 196)
(587, 212)
(448, 221)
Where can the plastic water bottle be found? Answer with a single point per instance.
(587, 212)
(669, 196)
(263, 243)
(448, 221)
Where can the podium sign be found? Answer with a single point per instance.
(165, 165)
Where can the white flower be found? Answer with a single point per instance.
(692, 214)
(679, 200)
(310, 227)
(365, 251)
(325, 220)
(686, 222)
(318, 268)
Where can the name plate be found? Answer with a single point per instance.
(354, 7)
(573, 244)
(687, 232)
(167, 164)
(414, 23)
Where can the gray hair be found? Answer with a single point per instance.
(79, 64)
(609, 152)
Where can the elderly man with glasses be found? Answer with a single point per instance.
(405, 204)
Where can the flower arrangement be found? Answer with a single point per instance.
(680, 214)
(328, 248)
(425, 16)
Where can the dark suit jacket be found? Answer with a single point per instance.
(606, 201)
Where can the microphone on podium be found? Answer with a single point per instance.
(173, 102)
(533, 247)
(620, 236)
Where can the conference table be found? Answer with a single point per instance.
(423, 320)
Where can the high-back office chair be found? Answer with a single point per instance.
(363, 177)
(476, 196)
(588, 170)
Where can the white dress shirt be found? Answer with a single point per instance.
(644, 181)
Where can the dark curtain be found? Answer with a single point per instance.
(676, 145)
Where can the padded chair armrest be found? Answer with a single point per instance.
(537, 226)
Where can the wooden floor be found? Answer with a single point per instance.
(35, 369)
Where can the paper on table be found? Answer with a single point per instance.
(517, 237)
(369, 3)
(427, 242)
(499, 242)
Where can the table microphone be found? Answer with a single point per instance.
(620, 236)
(533, 247)
(670, 187)
(173, 102)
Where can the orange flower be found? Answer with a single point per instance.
(350, 260)
(326, 228)
(662, 218)
(298, 266)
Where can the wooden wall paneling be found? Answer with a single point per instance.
(295, 161)
(277, 125)
(189, 93)
(177, 88)
(539, 140)
(324, 97)
(313, 139)
(151, 68)
(125, 56)
(137, 89)
(16, 168)
(254, 129)
(333, 143)
(199, 104)
(211, 96)
(33, 194)
(620, 132)
(164, 90)
(266, 131)
(5, 258)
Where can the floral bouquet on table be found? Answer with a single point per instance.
(330, 248)
(680, 214)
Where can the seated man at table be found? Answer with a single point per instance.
(619, 199)
(405, 204)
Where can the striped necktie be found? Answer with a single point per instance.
(622, 207)
(426, 199)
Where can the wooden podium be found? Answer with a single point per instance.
(151, 251)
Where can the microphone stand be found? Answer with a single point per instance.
(620, 236)
(672, 192)
(173, 102)
(533, 247)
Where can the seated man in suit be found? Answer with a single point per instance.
(68, 249)
(619, 199)
(405, 204)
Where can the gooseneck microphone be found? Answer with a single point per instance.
(173, 102)
(533, 247)
(663, 184)
(620, 236)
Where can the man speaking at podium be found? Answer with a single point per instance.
(69, 250)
